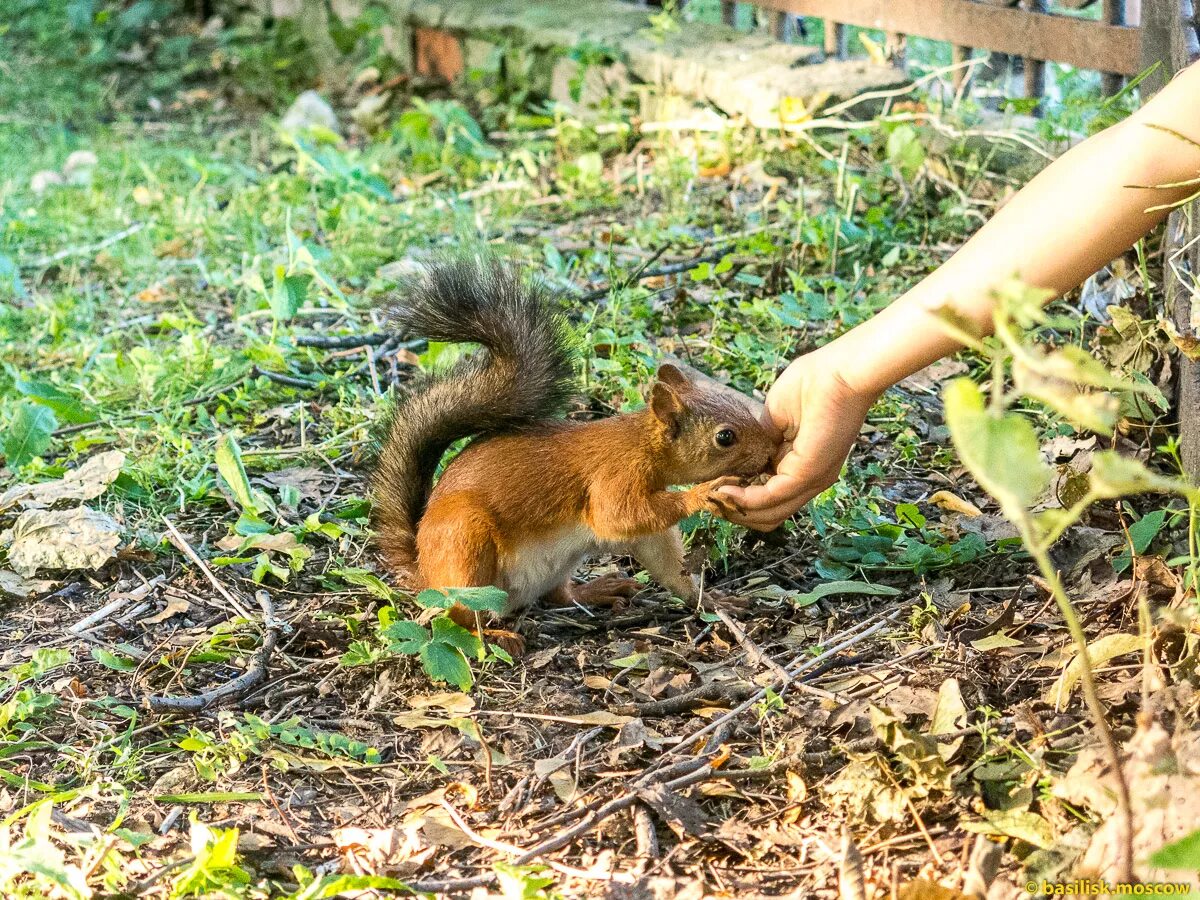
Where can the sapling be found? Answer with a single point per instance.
(1000, 448)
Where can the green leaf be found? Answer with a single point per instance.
(406, 636)
(112, 661)
(29, 434)
(1146, 529)
(447, 631)
(480, 599)
(904, 150)
(909, 514)
(445, 663)
(1000, 450)
(288, 294)
(66, 407)
(431, 598)
(229, 464)
(1181, 854)
(1114, 475)
(361, 653)
(830, 588)
(212, 797)
(365, 579)
(329, 886)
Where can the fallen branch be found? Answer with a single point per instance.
(342, 342)
(85, 249)
(184, 547)
(255, 674)
(118, 602)
(194, 401)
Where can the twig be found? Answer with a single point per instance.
(797, 667)
(288, 380)
(511, 850)
(255, 674)
(183, 546)
(756, 656)
(762, 660)
(118, 602)
(85, 249)
(194, 401)
(341, 342)
(729, 691)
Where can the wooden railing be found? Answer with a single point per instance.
(1129, 37)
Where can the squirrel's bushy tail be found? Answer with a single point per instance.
(524, 374)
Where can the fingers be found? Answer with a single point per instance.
(763, 507)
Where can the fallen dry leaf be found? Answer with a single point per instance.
(76, 538)
(87, 482)
(954, 503)
(1163, 772)
(1099, 651)
(175, 606)
(15, 585)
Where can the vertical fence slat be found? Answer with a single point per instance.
(1035, 69)
(959, 54)
(835, 39)
(780, 26)
(1113, 14)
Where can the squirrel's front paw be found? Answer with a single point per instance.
(710, 499)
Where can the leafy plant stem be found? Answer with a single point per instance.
(1193, 550)
(1038, 550)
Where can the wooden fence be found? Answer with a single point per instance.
(1129, 37)
(1181, 281)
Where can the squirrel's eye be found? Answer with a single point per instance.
(725, 438)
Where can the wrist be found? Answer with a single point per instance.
(846, 373)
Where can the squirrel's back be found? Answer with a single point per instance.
(524, 375)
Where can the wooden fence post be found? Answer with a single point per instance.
(1114, 14)
(1175, 40)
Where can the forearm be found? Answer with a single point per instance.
(1073, 218)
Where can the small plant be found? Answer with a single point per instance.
(1000, 448)
(443, 646)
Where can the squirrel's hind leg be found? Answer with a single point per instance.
(461, 551)
(661, 555)
(612, 590)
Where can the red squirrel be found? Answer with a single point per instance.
(532, 496)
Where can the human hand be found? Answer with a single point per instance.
(820, 416)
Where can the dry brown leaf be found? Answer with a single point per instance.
(175, 606)
(924, 889)
(13, 584)
(1163, 772)
(954, 503)
(1099, 652)
(76, 538)
(86, 482)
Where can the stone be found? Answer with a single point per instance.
(310, 110)
(369, 113)
(41, 181)
(582, 89)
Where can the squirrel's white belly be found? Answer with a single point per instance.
(537, 568)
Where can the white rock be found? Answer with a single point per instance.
(80, 159)
(45, 179)
(368, 113)
(310, 110)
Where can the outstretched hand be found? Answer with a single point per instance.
(820, 416)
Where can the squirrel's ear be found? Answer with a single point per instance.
(669, 374)
(666, 405)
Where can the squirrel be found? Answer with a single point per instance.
(532, 495)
